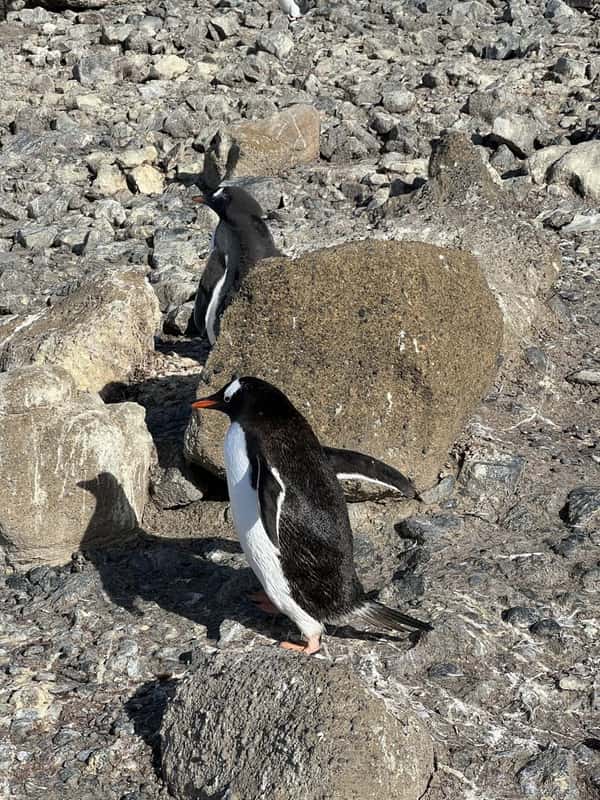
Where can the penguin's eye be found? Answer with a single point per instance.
(227, 399)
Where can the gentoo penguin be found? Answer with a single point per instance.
(294, 8)
(240, 240)
(290, 514)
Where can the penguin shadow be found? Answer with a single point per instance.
(195, 578)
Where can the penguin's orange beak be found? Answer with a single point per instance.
(206, 402)
(199, 199)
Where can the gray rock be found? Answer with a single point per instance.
(101, 333)
(520, 616)
(331, 738)
(553, 773)
(583, 507)
(97, 69)
(35, 236)
(407, 290)
(546, 629)
(589, 377)
(517, 132)
(579, 168)
(53, 438)
(398, 101)
(277, 43)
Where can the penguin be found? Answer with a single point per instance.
(290, 513)
(294, 8)
(240, 240)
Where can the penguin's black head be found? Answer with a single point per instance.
(232, 203)
(246, 399)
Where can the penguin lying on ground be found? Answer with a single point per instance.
(240, 240)
(290, 514)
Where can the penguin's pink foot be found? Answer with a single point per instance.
(313, 646)
(262, 601)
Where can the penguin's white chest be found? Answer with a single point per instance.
(260, 551)
(262, 555)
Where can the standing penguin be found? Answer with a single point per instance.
(290, 514)
(294, 8)
(240, 240)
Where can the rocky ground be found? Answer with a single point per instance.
(503, 556)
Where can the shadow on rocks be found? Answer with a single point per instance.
(199, 579)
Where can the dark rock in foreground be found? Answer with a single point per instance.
(273, 724)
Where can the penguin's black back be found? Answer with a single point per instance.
(315, 540)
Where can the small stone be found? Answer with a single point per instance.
(590, 580)
(398, 101)
(36, 236)
(536, 358)
(131, 158)
(225, 25)
(277, 43)
(109, 180)
(550, 775)
(546, 628)
(169, 68)
(583, 506)
(571, 683)
(520, 616)
(440, 492)
(178, 319)
(445, 670)
(515, 131)
(586, 376)
(147, 179)
(579, 168)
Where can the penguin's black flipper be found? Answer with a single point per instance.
(271, 494)
(351, 465)
(375, 613)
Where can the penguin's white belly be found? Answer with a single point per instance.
(262, 555)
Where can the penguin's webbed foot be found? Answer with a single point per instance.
(313, 646)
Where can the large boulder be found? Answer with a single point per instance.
(102, 333)
(73, 471)
(264, 147)
(463, 205)
(386, 347)
(278, 725)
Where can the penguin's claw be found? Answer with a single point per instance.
(313, 646)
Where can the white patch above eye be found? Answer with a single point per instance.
(233, 387)
(218, 193)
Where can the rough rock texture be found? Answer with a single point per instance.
(275, 725)
(265, 147)
(60, 449)
(464, 206)
(579, 168)
(101, 333)
(384, 346)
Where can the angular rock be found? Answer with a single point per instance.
(101, 333)
(109, 180)
(398, 101)
(53, 438)
(589, 377)
(147, 179)
(277, 43)
(553, 773)
(516, 131)
(36, 236)
(266, 147)
(403, 405)
(169, 67)
(331, 738)
(583, 507)
(540, 162)
(579, 168)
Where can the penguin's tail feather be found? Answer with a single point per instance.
(374, 613)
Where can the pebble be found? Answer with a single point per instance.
(520, 616)
(546, 628)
